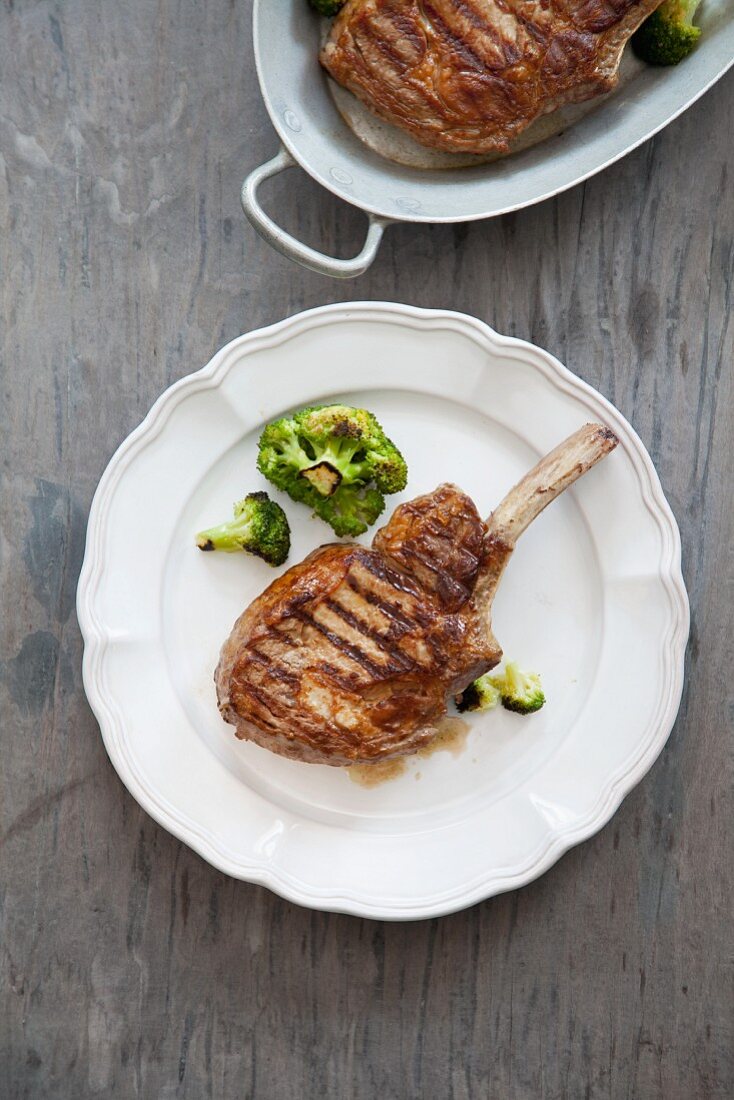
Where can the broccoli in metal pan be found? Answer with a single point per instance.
(668, 35)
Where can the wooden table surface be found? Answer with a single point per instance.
(130, 968)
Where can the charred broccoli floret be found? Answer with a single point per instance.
(336, 459)
(480, 695)
(259, 526)
(516, 690)
(668, 35)
(328, 8)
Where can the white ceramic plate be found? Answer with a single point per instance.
(593, 598)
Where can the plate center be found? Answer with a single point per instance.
(547, 616)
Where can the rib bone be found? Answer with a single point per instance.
(558, 470)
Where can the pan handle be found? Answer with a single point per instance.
(294, 249)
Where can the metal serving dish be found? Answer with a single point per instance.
(314, 134)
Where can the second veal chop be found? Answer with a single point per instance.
(469, 75)
(351, 655)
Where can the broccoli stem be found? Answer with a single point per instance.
(228, 536)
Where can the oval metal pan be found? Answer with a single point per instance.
(313, 131)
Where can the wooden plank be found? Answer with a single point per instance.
(131, 968)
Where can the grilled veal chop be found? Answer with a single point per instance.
(469, 75)
(350, 656)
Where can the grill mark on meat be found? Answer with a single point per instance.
(472, 16)
(415, 616)
(456, 544)
(499, 48)
(388, 50)
(375, 671)
(390, 610)
(340, 677)
(273, 666)
(433, 644)
(416, 623)
(395, 579)
(452, 557)
(430, 523)
(536, 32)
(405, 26)
(420, 550)
(374, 636)
(266, 689)
(457, 45)
(355, 636)
(369, 614)
(264, 702)
(595, 16)
(448, 588)
(272, 712)
(280, 634)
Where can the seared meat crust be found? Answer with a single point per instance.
(351, 654)
(469, 75)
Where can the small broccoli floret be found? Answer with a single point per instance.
(480, 695)
(516, 690)
(328, 8)
(520, 691)
(668, 35)
(259, 526)
(336, 459)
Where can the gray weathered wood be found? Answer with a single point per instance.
(129, 967)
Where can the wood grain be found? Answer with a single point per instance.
(129, 967)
